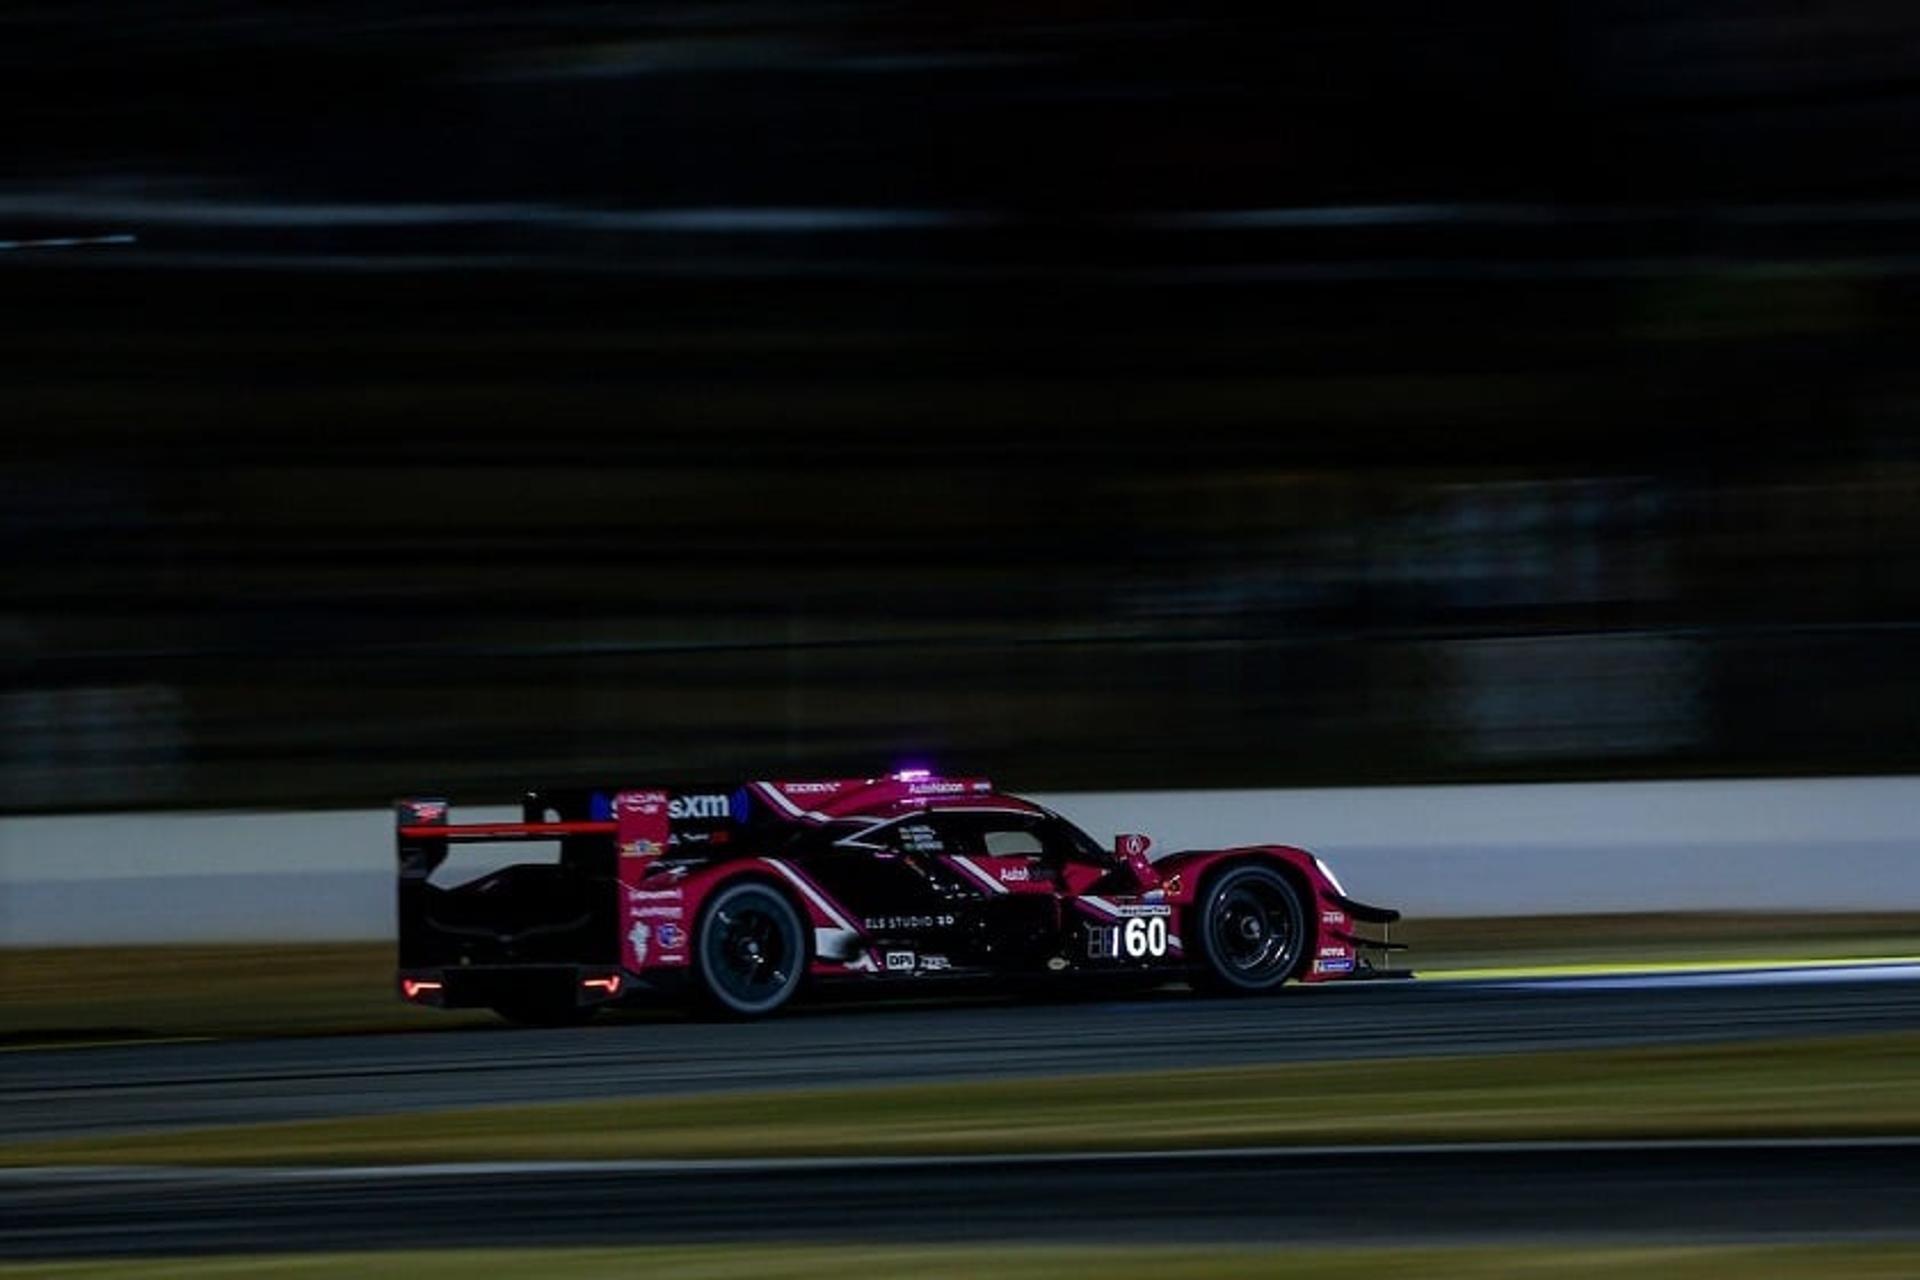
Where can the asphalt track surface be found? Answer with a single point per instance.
(1759, 1192)
(74, 1092)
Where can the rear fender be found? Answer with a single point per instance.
(663, 908)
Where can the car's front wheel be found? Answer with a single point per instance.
(750, 951)
(1251, 930)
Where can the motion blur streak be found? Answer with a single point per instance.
(63, 1093)
(447, 397)
(1760, 1192)
(1166, 397)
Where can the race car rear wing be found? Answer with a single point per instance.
(643, 821)
(501, 920)
(424, 832)
(536, 912)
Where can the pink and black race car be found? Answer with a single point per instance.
(739, 897)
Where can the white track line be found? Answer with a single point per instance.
(1804, 975)
(44, 1174)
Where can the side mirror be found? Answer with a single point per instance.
(1132, 850)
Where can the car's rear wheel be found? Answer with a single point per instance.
(1251, 930)
(750, 951)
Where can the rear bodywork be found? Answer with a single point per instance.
(902, 879)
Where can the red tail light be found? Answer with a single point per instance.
(413, 987)
(610, 985)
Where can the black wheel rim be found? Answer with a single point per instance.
(1255, 930)
(753, 951)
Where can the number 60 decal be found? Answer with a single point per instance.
(1142, 937)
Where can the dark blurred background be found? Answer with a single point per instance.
(1100, 395)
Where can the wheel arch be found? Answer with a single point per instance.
(747, 873)
(1296, 877)
(707, 999)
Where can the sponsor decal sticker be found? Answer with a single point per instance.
(1016, 874)
(919, 838)
(1141, 909)
(646, 803)
(671, 936)
(658, 913)
(657, 895)
(909, 922)
(707, 806)
(1333, 917)
(809, 788)
(1332, 951)
(638, 937)
(936, 788)
(899, 961)
(428, 810)
(933, 963)
(1342, 964)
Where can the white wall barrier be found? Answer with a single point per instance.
(1829, 844)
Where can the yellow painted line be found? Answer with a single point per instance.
(101, 1044)
(1658, 967)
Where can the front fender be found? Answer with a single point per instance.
(1331, 914)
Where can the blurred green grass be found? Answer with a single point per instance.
(1439, 946)
(963, 1262)
(1828, 1086)
(96, 993)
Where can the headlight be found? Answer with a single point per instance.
(1332, 879)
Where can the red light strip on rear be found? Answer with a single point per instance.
(610, 985)
(411, 987)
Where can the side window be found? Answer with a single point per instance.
(1035, 836)
(1067, 843)
(917, 835)
(997, 835)
(921, 833)
(1008, 842)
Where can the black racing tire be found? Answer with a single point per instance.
(749, 951)
(1250, 932)
(545, 1014)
